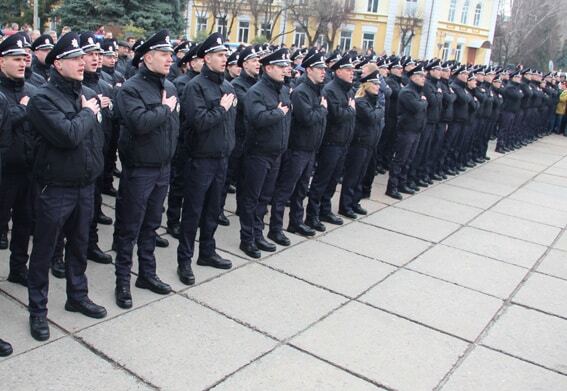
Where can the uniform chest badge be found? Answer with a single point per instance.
(235, 102)
(99, 117)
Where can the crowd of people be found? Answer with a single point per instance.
(193, 122)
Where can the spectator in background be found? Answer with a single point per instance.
(35, 34)
(53, 35)
(65, 30)
(560, 111)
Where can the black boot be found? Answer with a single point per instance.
(5, 348)
(394, 193)
(58, 268)
(223, 220)
(95, 254)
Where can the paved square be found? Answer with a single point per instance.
(461, 287)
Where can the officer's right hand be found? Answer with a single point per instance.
(91, 104)
(226, 101)
(24, 101)
(283, 108)
(170, 102)
(351, 103)
(324, 102)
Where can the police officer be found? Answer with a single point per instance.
(456, 128)
(440, 170)
(511, 108)
(132, 66)
(175, 195)
(385, 145)
(232, 68)
(367, 130)
(471, 125)
(30, 76)
(148, 108)
(250, 64)
(16, 183)
(177, 67)
(66, 118)
(109, 58)
(432, 134)
(123, 57)
(267, 108)
(412, 116)
(338, 135)
(209, 106)
(308, 121)
(105, 93)
(41, 47)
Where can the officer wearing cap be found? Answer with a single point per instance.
(249, 61)
(432, 135)
(329, 62)
(367, 130)
(175, 195)
(386, 143)
(209, 106)
(16, 183)
(105, 94)
(439, 168)
(149, 114)
(65, 117)
(511, 108)
(41, 47)
(179, 51)
(5, 347)
(523, 123)
(412, 116)
(124, 54)
(456, 129)
(30, 76)
(232, 68)
(466, 143)
(497, 91)
(338, 135)
(484, 129)
(267, 108)
(308, 121)
(109, 58)
(132, 66)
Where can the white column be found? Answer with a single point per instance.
(391, 24)
(189, 18)
(428, 42)
(493, 17)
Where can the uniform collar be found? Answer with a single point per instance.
(215, 77)
(343, 84)
(153, 77)
(250, 79)
(315, 87)
(276, 85)
(108, 70)
(91, 78)
(67, 86)
(12, 84)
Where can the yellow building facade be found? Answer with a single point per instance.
(448, 29)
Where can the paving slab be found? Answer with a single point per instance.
(473, 183)
(469, 270)
(378, 243)
(561, 242)
(331, 267)
(515, 227)
(496, 246)
(387, 349)
(65, 365)
(535, 167)
(442, 305)
(531, 335)
(545, 293)
(412, 224)
(539, 198)
(177, 344)
(267, 300)
(287, 368)
(442, 209)
(539, 214)
(462, 195)
(486, 369)
(555, 264)
(551, 179)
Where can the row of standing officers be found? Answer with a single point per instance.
(199, 134)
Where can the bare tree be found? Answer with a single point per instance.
(409, 22)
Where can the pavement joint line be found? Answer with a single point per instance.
(505, 305)
(549, 274)
(525, 218)
(113, 362)
(522, 359)
(528, 307)
(355, 374)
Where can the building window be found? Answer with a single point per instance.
(299, 37)
(411, 7)
(452, 10)
(459, 52)
(445, 51)
(201, 23)
(368, 41)
(477, 12)
(243, 28)
(465, 12)
(222, 26)
(345, 41)
(372, 6)
(266, 30)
